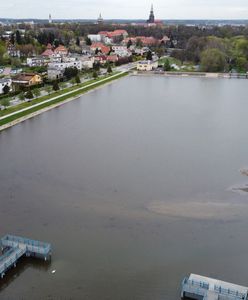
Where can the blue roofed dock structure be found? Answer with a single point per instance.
(203, 288)
(14, 247)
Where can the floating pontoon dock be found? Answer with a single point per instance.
(14, 247)
(204, 288)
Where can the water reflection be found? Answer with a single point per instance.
(23, 264)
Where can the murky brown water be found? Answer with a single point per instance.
(131, 185)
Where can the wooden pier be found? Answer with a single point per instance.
(14, 247)
(204, 288)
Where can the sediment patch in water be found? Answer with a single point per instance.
(199, 210)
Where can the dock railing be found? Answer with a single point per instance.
(228, 292)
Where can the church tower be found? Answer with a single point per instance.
(100, 20)
(151, 17)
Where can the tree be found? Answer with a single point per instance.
(6, 89)
(15, 62)
(48, 89)
(18, 37)
(96, 66)
(139, 43)
(129, 44)
(88, 41)
(77, 79)
(21, 96)
(149, 55)
(167, 66)
(29, 95)
(95, 75)
(70, 73)
(213, 60)
(242, 64)
(109, 69)
(5, 102)
(55, 86)
(36, 92)
(78, 41)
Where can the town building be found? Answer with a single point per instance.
(69, 64)
(54, 73)
(111, 37)
(100, 47)
(3, 83)
(147, 65)
(142, 41)
(87, 62)
(26, 80)
(37, 61)
(95, 38)
(61, 50)
(112, 58)
(121, 50)
(13, 51)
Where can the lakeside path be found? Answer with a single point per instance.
(191, 74)
(21, 115)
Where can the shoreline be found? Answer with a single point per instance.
(60, 103)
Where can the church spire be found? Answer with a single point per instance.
(151, 17)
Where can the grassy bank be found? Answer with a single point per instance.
(73, 92)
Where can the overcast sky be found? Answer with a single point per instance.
(120, 9)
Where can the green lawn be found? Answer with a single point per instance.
(20, 106)
(60, 99)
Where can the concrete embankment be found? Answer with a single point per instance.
(192, 74)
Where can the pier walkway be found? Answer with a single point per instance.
(199, 287)
(14, 247)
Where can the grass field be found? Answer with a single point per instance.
(96, 83)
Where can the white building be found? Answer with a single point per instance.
(63, 65)
(4, 82)
(87, 62)
(37, 61)
(54, 73)
(147, 65)
(95, 38)
(121, 51)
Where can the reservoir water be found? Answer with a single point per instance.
(131, 184)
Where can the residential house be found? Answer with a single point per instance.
(122, 51)
(63, 65)
(26, 80)
(54, 73)
(95, 38)
(61, 50)
(143, 40)
(87, 62)
(4, 82)
(100, 47)
(37, 61)
(112, 58)
(110, 37)
(13, 51)
(102, 59)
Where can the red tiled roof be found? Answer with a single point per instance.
(112, 58)
(100, 46)
(61, 48)
(47, 52)
(49, 46)
(145, 40)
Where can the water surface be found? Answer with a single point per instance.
(131, 185)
